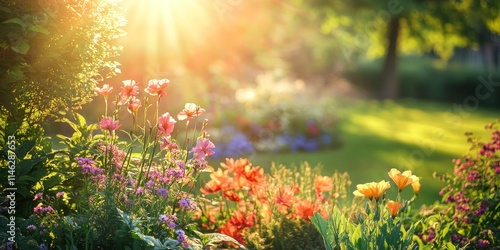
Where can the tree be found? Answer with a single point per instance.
(368, 27)
(53, 54)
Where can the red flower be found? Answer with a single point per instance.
(190, 110)
(237, 223)
(166, 124)
(156, 87)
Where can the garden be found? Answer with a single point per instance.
(181, 125)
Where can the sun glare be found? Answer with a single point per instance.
(157, 27)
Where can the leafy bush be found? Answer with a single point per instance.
(53, 54)
(468, 215)
(421, 78)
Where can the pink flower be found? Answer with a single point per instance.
(156, 87)
(166, 124)
(104, 91)
(168, 143)
(129, 90)
(203, 148)
(108, 124)
(133, 105)
(37, 196)
(190, 110)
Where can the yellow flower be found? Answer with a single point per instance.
(402, 179)
(416, 186)
(393, 207)
(372, 190)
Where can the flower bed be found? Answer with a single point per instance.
(142, 188)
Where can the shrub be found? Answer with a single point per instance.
(468, 215)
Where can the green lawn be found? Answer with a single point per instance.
(421, 136)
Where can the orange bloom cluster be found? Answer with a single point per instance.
(238, 174)
(238, 181)
(236, 224)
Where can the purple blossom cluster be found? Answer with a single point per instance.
(182, 238)
(169, 220)
(89, 166)
(40, 209)
(188, 204)
(469, 193)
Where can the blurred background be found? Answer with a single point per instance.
(358, 86)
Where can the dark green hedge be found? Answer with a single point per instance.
(426, 79)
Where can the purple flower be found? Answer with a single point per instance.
(163, 192)
(473, 175)
(188, 204)
(168, 219)
(431, 235)
(482, 244)
(31, 228)
(43, 247)
(182, 238)
(139, 190)
(150, 184)
(59, 194)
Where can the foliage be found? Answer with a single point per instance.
(270, 211)
(468, 215)
(382, 224)
(425, 79)
(141, 189)
(53, 54)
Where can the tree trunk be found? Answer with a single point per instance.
(390, 84)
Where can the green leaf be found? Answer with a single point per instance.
(24, 148)
(21, 47)
(15, 20)
(39, 29)
(51, 182)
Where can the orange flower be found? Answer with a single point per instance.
(372, 190)
(323, 183)
(402, 179)
(235, 166)
(104, 91)
(416, 186)
(393, 207)
(219, 181)
(305, 209)
(284, 198)
(232, 196)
